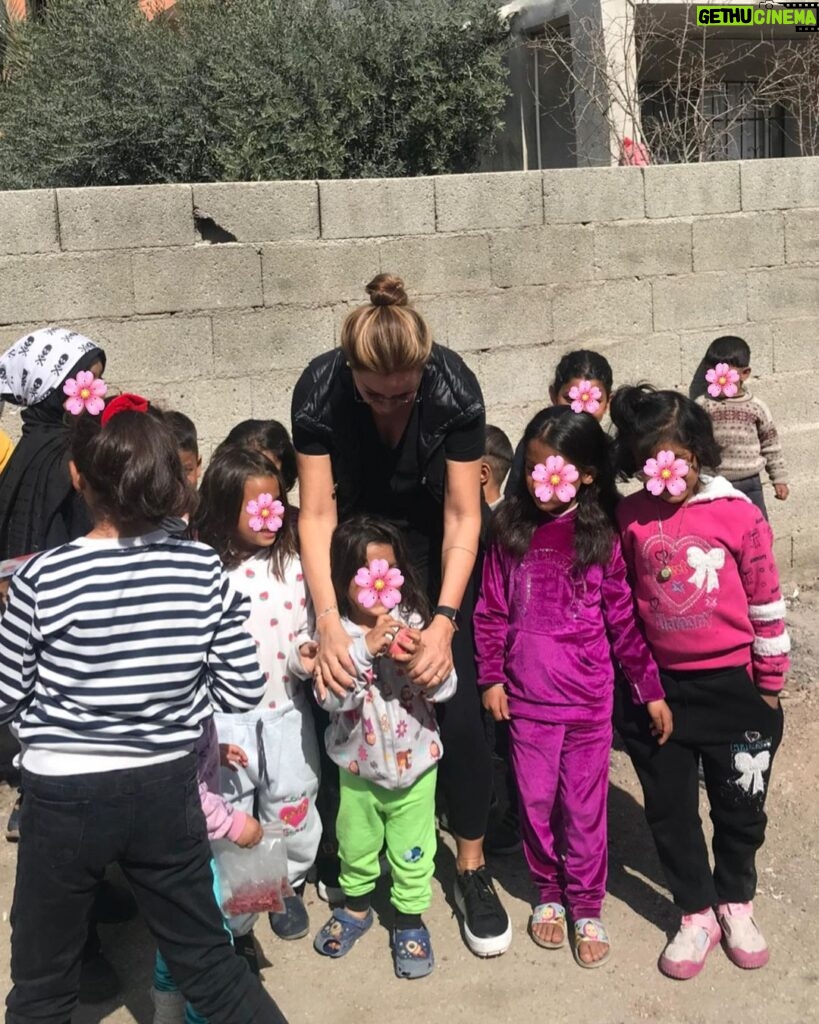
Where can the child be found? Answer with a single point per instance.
(244, 515)
(700, 558)
(554, 607)
(497, 459)
(743, 427)
(111, 649)
(184, 430)
(384, 737)
(271, 439)
(583, 382)
(223, 821)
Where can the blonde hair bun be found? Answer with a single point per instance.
(387, 290)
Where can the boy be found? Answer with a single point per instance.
(187, 442)
(743, 427)
(495, 465)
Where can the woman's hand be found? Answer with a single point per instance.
(496, 702)
(662, 721)
(382, 634)
(433, 661)
(334, 669)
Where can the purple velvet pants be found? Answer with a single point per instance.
(562, 773)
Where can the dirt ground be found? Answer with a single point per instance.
(531, 983)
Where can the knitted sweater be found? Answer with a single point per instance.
(746, 433)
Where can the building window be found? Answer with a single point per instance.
(728, 124)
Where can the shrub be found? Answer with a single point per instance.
(94, 94)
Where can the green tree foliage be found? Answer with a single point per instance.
(94, 94)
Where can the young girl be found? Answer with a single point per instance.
(707, 589)
(384, 737)
(583, 382)
(111, 650)
(244, 515)
(554, 607)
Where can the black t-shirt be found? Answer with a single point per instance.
(393, 487)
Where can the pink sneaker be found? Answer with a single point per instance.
(744, 943)
(684, 957)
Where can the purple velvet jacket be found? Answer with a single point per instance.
(548, 632)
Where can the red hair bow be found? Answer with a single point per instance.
(124, 403)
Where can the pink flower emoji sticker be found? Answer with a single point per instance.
(85, 394)
(585, 397)
(379, 584)
(555, 477)
(666, 473)
(265, 513)
(722, 380)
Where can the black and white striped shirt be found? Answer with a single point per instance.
(113, 651)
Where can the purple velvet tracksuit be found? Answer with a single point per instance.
(548, 633)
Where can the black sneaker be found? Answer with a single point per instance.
(245, 946)
(503, 835)
(487, 927)
(13, 824)
(294, 923)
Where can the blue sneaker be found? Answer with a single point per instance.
(294, 923)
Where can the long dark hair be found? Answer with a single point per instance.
(580, 439)
(646, 418)
(131, 466)
(220, 504)
(583, 363)
(348, 552)
(267, 436)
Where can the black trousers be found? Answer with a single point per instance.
(150, 821)
(751, 487)
(720, 718)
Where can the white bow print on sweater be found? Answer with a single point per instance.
(750, 768)
(705, 564)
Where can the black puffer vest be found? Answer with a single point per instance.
(450, 398)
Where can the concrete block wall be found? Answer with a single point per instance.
(512, 270)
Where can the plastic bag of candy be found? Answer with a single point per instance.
(253, 880)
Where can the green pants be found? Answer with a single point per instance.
(368, 815)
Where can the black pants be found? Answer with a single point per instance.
(721, 718)
(150, 821)
(751, 487)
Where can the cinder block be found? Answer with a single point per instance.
(651, 357)
(439, 264)
(28, 221)
(272, 395)
(548, 255)
(698, 300)
(600, 310)
(203, 277)
(585, 194)
(796, 345)
(512, 419)
(127, 217)
(470, 202)
(508, 319)
(526, 372)
(789, 292)
(694, 345)
(65, 286)
(780, 184)
(744, 240)
(285, 337)
(791, 405)
(215, 406)
(802, 235)
(689, 190)
(377, 206)
(800, 444)
(641, 248)
(315, 273)
(261, 211)
(157, 349)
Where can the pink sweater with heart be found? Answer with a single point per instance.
(718, 604)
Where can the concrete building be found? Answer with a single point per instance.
(619, 54)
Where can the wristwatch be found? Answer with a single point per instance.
(452, 614)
